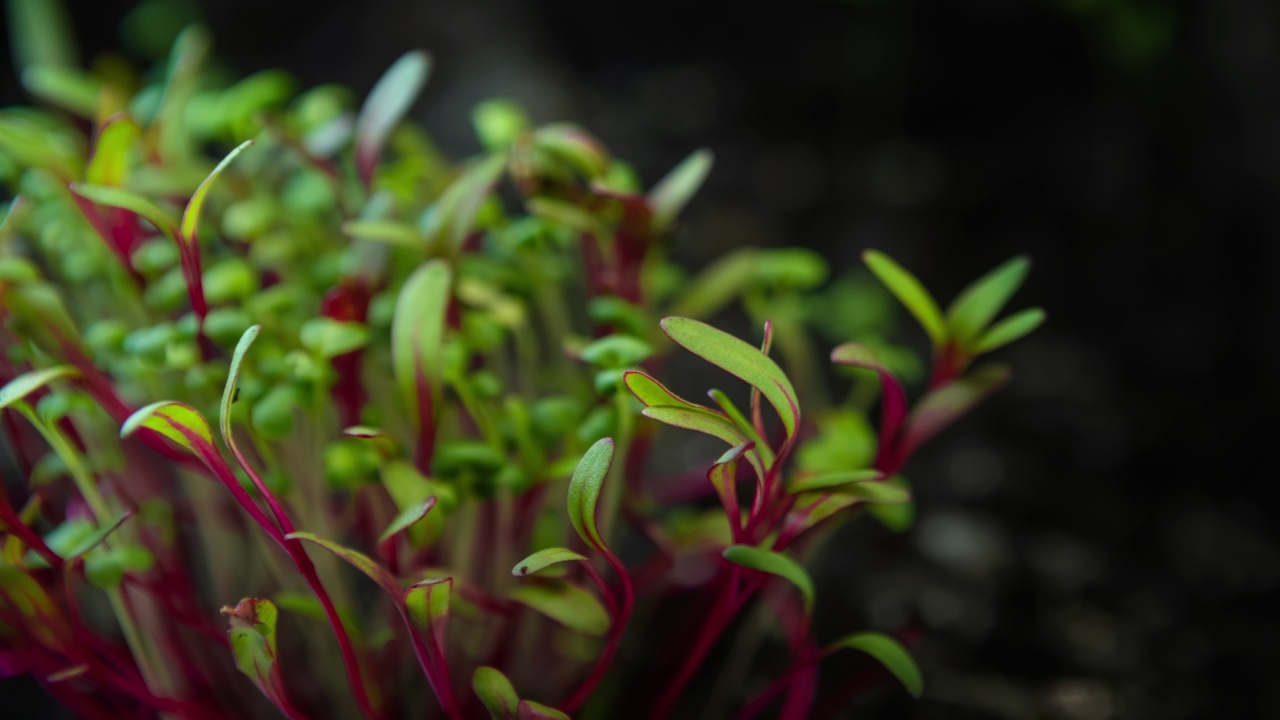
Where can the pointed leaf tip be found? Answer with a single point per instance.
(910, 292)
(890, 653)
(170, 418)
(544, 559)
(775, 564)
(584, 491)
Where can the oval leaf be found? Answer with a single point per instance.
(567, 604)
(741, 360)
(910, 292)
(544, 559)
(890, 653)
(1012, 328)
(496, 693)
(584, 491)
(775, 564)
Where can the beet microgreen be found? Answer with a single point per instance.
(414, 363)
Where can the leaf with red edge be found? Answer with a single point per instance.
(191, 215)
(723, 476)
(530, 710)
(406, 519)
(943, 406)
(387, 104)
(584, 492)
(566, 603)
(428, 606)
(20, 387)
(253, 644)
(167, 417)
(357, 560)
(893, 399)
(741, 360)
(496, 693)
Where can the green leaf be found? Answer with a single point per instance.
(116, 197)
(898, 517)
(530, 710)
(233, 375)
(65, 87)
(544, 559)
(191, 215)
(669, 196)
(417, 332)
(979, 303)
(574, 146)
(388, 102)
(452, 217)
(109, 166)
(741, 422)
(943, 406)
(496, 693)
(166, 417)
(877, 492)
(427, 603)
(330, 338)
(567, 604)
(617, 351)
(28, 382)
(584, 491)
(650, 392)
(253, 644)
(888, 652)
(1012, 328)
(568, 215)
(828, 481)
(385, 231)
(406, 519)
(357, 560)
(775, 564)
(703, 421)
(718, 284)
(741, 360)
(498, 123)
(910, 293)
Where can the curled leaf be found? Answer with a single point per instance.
(544, 559)
(253, 644)
(890, 653)
(191, 215)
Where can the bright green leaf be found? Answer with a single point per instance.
(890, 653)
(775, 564)
(1012, 328)
(109, 166)
(166, 417)
(910, 292)
(191, 215)
(544, 559)
(979, 303)
(828, 481)
(617, 351)
(567, 604)
(407, 518)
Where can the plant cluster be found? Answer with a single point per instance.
(438, 416)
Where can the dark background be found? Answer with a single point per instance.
(1097, 541)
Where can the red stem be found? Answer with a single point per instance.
(616, 631)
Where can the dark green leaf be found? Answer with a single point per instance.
(775, 564)
(910, 293)
(890, 653)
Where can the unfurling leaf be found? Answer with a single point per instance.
(775, 564)
(890, 653)
(253, 644)
(584, 492)
(567, 604)
(741, 360)
(910, 292)
(495, 692)
(544, 559)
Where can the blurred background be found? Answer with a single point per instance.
(1096, 541)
